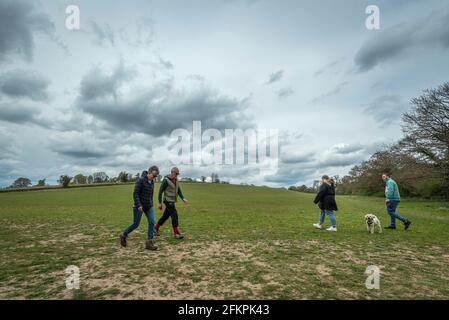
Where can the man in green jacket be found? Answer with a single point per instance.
(393, 198)
(170, 189)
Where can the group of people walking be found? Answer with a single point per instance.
(143, 193)
(325, 199)
(170, 191)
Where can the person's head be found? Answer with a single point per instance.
(325, 178)
(174, 172)
(386, 176)
(332, 181)
(153, 172)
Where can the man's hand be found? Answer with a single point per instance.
(140, 209)
(159, 206)
(185, 201)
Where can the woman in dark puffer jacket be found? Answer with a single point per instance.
(326, 202)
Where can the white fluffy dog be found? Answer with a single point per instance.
(372, 222)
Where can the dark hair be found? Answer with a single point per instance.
(325, 177)
(387, 173)
(153, 168)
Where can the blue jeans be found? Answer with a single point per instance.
(391, 209)
(331, 215)
(137, 217)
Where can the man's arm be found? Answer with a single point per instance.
(180, 193)
(164, 185)
(136, 193)
(389, 193)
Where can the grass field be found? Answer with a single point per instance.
(241, 243)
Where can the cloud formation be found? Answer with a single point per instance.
(20, 83)
(157, 109)
(386, 109)
(20, 22)
(393, 43)
(275, 77)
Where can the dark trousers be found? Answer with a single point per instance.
(170, 211)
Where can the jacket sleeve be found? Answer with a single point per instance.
(180, 192)
(136, 193)
(389, 190)
(320, 194)
(162, 189)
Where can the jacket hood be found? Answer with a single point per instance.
(144, 174)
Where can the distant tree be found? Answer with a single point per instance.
(79, 179)
(90, 179)
(124, 177)
(64, 180)
(159, 178)
(203, 179)
(21, 183)
(302, 188)
(41, 183)
(214, 178)
(100, 177)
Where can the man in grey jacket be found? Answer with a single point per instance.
(170, 190)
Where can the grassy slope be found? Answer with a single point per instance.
(241, 242)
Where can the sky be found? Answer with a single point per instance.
(107, 97)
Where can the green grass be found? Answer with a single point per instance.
(241, 243)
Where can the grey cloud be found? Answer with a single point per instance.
(103, 34)
(98, 84)
(331, 93)
(19, 23)
(167, 64)
(292, 158)
(429, 32)
(291, 174)
(343, 155)
(139, 35)
(159, 109)
(341, 161)
(285, 92)
(82, 145)
(330, 66)
(24, 84)
(275, 76)
(18, 113)
(347, 148)
(386, 109)
(195, 77)
(81, 153)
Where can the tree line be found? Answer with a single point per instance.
(99, 178)
(419, 161)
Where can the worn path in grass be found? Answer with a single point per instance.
(241, 243)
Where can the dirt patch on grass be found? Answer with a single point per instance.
(220, 269)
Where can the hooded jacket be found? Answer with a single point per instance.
(143, 192)
(326, 198)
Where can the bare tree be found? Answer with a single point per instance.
(426, 129)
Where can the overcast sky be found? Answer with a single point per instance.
(106, 97)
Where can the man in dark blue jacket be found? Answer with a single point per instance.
(143, 203)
